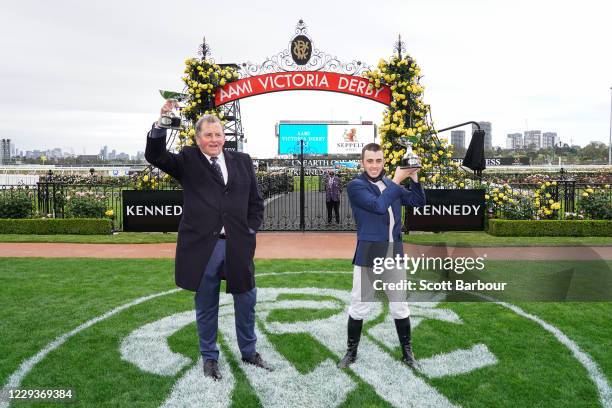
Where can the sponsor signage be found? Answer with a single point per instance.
(321, 138)
(301, 80)
(313, 135)
(448, 210)
(348, 139)
(502, 161)
(152, 211)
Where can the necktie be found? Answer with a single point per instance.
(217, 168)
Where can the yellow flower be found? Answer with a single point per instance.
(109, 213)
(607, 186)
(551, 201)
(461, 185)
(589, 190)
(486, 196)
(145, 178)
(494, 198)
(585, 194)
(548, 183)
(554, 183)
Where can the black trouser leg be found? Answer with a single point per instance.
(329, 205)
(336, 205)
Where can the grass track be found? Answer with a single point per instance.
(43, 298)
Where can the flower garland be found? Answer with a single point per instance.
(407, 117)
(202, 78)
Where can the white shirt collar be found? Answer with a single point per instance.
(220, 158)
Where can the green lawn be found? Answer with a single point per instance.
(446, 238)
(311, 183)
(482, 239)
(44, 298)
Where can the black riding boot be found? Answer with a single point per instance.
(354, 334)
(403, 333)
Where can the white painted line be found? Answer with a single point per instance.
(457, 362)
(147, 347)
(16, 377)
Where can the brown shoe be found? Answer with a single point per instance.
(211, 369)
(257, 361)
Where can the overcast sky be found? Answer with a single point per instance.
(80, 75)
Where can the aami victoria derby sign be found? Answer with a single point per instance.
(152, 211)
(448, 210)
(302, 80)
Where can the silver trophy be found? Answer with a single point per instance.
(410, 160)
(172, 119)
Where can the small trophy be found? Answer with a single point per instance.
(410, 160)
(172, 119)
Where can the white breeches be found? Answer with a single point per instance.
(360, 310)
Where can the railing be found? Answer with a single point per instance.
(281, 191)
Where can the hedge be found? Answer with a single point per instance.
(550, 228)
(44, 226)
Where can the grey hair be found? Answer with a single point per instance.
(208, 118)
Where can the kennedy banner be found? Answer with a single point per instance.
(302, 80)
(152, 211)
(448, 210)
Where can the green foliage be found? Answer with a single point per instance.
(595, 204)
(81, 226)
(550, 228)
(86, 205)
(16, 204)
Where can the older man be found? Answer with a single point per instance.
(222, 211)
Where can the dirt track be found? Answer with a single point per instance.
(287, 245)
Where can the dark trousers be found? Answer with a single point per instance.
(335, 205)
(207, 309)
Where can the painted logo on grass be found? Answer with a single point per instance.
(325, 386)
(146, 348)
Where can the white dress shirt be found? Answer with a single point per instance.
(381, 186)
(221, 163)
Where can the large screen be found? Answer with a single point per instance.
(324, 138)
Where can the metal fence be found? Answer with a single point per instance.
(289, 206)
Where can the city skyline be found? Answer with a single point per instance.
(466, 137)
